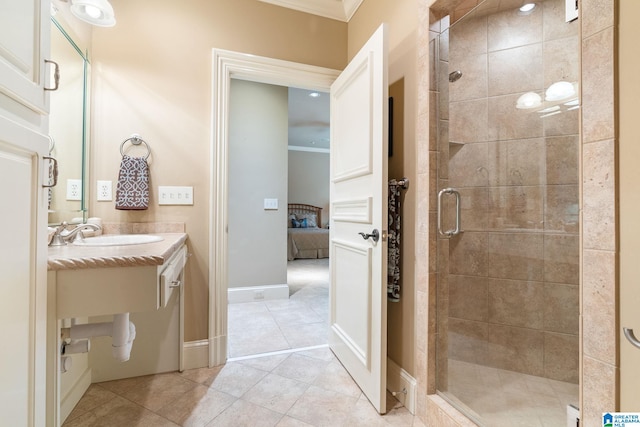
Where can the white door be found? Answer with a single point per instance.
(358, 191)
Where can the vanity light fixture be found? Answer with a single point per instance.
(95, 12)
(314, 94)
(559, 91)
(529, 100)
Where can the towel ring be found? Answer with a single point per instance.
(135, 140)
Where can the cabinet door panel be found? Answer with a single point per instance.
(23, 26)
(23, 280)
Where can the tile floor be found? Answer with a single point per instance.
(305, 388)
(280, 373)
(505, 398)
(301, 321)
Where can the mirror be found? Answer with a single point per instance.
(68, 200)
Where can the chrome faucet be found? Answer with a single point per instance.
(62, 236)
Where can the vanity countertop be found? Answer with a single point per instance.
(73, 257)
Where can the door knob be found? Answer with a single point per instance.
(375, 235)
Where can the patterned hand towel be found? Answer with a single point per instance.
(132, 192)
(393, 239)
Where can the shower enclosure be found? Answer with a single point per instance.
(507, 212)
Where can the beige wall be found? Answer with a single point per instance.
(257, 239)
(402, 19)
(152, 76)
(629, 66)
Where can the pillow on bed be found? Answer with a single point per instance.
(299, 223)
(292, 220)
(311, 220)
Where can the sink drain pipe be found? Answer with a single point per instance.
(122, 331)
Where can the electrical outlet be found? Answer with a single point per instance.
(104, 191)
(171, 195)
(74, 189)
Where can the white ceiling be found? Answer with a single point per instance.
(341, 10)
(308, 120)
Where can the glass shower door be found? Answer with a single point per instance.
(508, 289)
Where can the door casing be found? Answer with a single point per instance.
(227, 65)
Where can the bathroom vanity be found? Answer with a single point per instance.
(90, 284)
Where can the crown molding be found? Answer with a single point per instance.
(341, 10)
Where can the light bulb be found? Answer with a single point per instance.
(527, 7)
(92, 11)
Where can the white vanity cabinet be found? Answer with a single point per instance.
(25, 389)
(91, 284)
(90, 292)
(24, 46)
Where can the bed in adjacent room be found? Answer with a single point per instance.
(305, 236)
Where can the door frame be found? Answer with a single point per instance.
(225, 66)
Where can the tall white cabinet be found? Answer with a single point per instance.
(24, 46)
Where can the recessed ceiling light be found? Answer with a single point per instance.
(527, 7)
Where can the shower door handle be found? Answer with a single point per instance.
(456, 230)
(631, 337)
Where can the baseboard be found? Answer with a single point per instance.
(257, 293)
(399, 380)
(68, 402)
(195, 354)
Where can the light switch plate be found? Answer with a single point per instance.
(271, 204)
(172, 195)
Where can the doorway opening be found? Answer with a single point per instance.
(229, 65)
(278, 279)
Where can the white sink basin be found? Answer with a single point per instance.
(118, 240)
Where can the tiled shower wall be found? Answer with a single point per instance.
(599, 359)
(508, 294)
